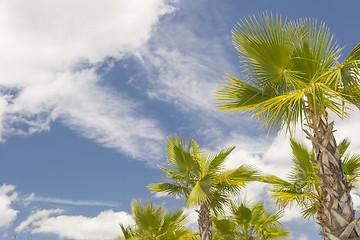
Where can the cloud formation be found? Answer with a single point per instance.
(7, 213)
(104, 226)
(51, 51)
(33, 198)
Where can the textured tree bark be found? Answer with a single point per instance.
(204, 221)
(336, 214)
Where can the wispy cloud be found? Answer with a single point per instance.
(33, 198)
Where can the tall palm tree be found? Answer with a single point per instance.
(303, 186)
(292, 73)
(155, 223)
(250, 222)
(201, 179)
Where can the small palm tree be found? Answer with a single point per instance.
(303, 186)
(292, 72)
(155, 223)
(201, 179)
(250, 222)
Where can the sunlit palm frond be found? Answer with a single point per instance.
(147, 215)
(310, 210)
(173, 175)
(200, 193)
(345, 77)
(240, 175)
(237, 95)
(217, 162)
(343, 146)
(175, 190)
(316, 52)
(351, 166)
(179, 155)
(128, 232)
(288, 196)
(285, 110)
(259, 40)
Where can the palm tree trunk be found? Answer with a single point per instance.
(204, 221)
(336, 214)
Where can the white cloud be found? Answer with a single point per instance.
(192, 218)
(53, 35)
(7, 213)
(355, 195)
(50, 53)
(348, 128)
(160, 194)
(292, 213)
(105, 226)
(303, 237)
(37, 216)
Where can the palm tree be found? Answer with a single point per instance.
(201, 179)
(155, 223)
(250, 222)
(293, 73)
(303, 186)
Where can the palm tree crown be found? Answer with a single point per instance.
(155, 223)
(290, 66)
(201, 179)
(250, 221)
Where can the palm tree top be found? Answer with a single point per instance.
(155, 222)
(290, 67)
(201, 177)
(250, 221)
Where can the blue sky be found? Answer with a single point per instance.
(90, 90)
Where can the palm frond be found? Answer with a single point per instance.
(343, 146)
(179, 155)
(237, 95)
(351, 164)
(218, 160)
(175, 190)
(128, 231)
(199, 194)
